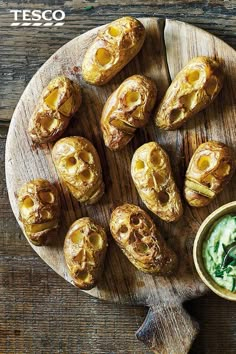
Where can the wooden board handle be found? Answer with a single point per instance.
(168, 330)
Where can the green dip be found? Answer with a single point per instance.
(219, 252)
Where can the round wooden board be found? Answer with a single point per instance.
(169, 45)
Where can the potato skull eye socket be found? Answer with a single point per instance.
(127, 42)
(114, 31)
(46, 197)
(103, 56)
(132, 98)
(193, 76)
(223, 169)
(86, 157)
(28, 203)
(71, 162)
(203, 163)
(52, 99)
(135, 220)
(77, 236)
(96, 240)
(155, 158)
(163, 197)
(140, 165)
(211, 86)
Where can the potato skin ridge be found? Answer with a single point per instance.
(140, 240)
(114, 46)
(193, 89)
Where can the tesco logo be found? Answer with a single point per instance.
(37, 18)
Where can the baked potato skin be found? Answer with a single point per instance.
(78, 164)
(152, 176)
(39, 211)
(141, 242)
(210, 169)
(84, 250)
(114, 46)
(57, 104)
(127, 109)
(192, 90)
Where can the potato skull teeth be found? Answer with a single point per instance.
(141, 242)
(39, 209)
(84, 249)
(78, 164)
(127, 109)
(210, 169)
(115, 45)
(193, 89)
(57, 104)
(152, 176)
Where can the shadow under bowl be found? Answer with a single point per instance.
(201, 236)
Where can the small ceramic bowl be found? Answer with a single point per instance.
(202, 233)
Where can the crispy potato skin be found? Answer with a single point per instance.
(85, 249)
(192, 90)
(39, 210)
(78, 164)
(115, 45)
(57, 104)
(127, 109)
(141, 242)
(152, 176)
(210, 169)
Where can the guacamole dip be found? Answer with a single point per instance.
(219, 252)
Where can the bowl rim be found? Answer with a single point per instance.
(200, 236)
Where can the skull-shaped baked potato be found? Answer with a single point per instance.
(78, 164)
(192, 90)
(210, 169)
(39, 211)
(127, 109)
(152, 176)
(114, 46)
(137, 236)
(57, 104)
(84, 249)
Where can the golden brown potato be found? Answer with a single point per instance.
(85, 249)
(127, 109)
(193, 89)
(137, 236)
(210, 169)
(39, 209)
(115, 45)
(152, 176)
(57, 104)
(78, 164)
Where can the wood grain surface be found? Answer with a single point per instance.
(22, 342)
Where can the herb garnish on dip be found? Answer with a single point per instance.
(219, 252)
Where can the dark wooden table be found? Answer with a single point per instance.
(39, 311)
